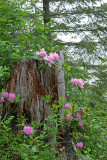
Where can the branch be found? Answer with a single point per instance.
(82, 30)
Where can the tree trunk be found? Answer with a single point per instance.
(46, 11)
(28, 81)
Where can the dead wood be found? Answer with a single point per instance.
(28, 81)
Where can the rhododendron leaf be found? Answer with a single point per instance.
(21, 147)
(41, 67)
(25, 136)
(61, 100)
(43, 71)
(34, 148)
(71, 103)
(44, 98)
(75, 106)
(49, 64)
(60, 69)
(49, 71)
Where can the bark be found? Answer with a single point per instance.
(46, 11)
(28, 81)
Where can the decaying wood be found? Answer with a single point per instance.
(28, 81)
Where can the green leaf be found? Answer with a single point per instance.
(43, 71)
(34, 148)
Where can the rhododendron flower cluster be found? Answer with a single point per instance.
(41, 53)
(77, 115)
(27, 130)
(10, 96)
(79, 145)
(80, 124)
(49, 59)
(67, 106)
(5, 94)
(68, 116)
(1, 99)
(52, 57)
(76, 81)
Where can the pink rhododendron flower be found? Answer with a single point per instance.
(49, 59)
(80, 124)
(67, 105)
(79, 145)
(76, 81)
(12, 96)
(68, 116)
(38, 53)
(56, 56)
(27, 130)
(65, 96)
(45, 58)
(77, 115)
(41, 53)
(1, 99)
(51, 56)
(5, 94)
(80, 83)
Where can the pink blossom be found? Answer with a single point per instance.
(74, 81)
(80, 124)
(27, 130)
(45, 58)
(56, 56)
(65, 96)
(38, 53)
(1, 99)
(49, 59)
(79, 145)
(5, 94)
(77, 115)
(51, 56)
(68, 116)
(67, 105)
(80, 83)
(12, 96)
(41, 53)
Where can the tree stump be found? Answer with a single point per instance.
(28, 81)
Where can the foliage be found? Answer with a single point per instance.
(22, 35)
(43, 140)
(20, 146)
(95, 133)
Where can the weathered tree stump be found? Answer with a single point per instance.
(28, 81)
